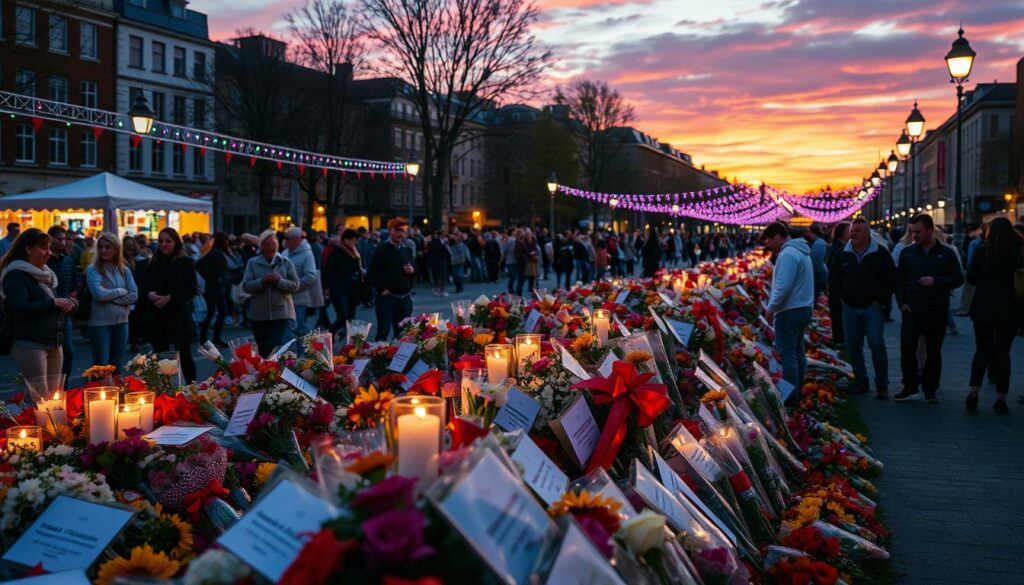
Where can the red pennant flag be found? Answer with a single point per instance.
(202, 151)
(278, 163)
(252, 162)
(136, 139)
(359, 175)
(37, 123)
(97, 132)
(227, 157)
(324, 169)
(184, 148)
(302, 169)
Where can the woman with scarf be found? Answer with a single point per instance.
(343, 277)
(271, 280)
(113, 292)
(34, 315)
(166, 289)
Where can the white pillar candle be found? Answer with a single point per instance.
(127, 418)
(101, 419)
(601, 326)
(527, 349)
(497, 368)
(419, 445)
(145, 415)
(51, 409)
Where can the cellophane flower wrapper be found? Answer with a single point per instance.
(768, 470)
(853, 546)
(753, 508)
(855, 446)
(723, 442)
(319, 345)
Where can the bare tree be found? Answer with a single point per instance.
(460, 56)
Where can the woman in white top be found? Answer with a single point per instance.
(113, 293)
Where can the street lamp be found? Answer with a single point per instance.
(552, 188)
(893, 162)
(959, 61)
(875, 179)
(915, 128)
(412, 168)
(141, 115)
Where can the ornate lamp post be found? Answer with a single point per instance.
(141, 115)
(959, 61)
(915, 128)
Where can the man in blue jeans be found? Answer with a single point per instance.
(392, 273)
(791, 300)
(863, 275)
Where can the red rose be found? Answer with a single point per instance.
(322, 414)
(395, 538)
(171, 410)
(388, 494)
(321, 557)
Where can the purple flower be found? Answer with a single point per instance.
(597, 534)
(92, 451)
(393, 492)
(395, 538)
(258, 423)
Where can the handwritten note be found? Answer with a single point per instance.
(359, 366)
(519, 412)
(405, 351)
(299, 383)
(539, 472)
(245, 410)
(175, 436)
(681, 330)
(577, 431)
(606, 366)
(417, 370)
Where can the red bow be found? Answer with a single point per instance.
(429, 382)
(468, 361)
(465, 432)
(628, 391)
(195, 501)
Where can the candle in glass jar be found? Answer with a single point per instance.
(51, 409)
(101, 414)
(145, 401)
(601, 326)
(26, 437)
(527, 348)
(127, 418)
(419, 444)
(497, 362)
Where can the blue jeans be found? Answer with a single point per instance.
(392, 310)
(870, 322)
(298, 326)
(513, 277)
(269, 334)
(108, 344)
(789, 342)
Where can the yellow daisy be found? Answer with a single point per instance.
(263, 472)
(143, 561)
(573, 502)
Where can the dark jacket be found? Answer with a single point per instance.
(833, 250)
(941, 263)
(173, 323)
(30, 312)
(342, 272)
(63, 265)
(993, 296)
(385, 271)
(213, 267)
(860, 281)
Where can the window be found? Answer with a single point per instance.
(179, 61)
(25, 82)
(159, 158)
(199, 67)
(58, 33)
(134, 156)
(58, 89)
(90, 94)
(133, 94)
(178, 8)
(25, 144)
(24, 25)
(160, 105)
(88, 150)
(87, 41)
(398, 138)
(179, 160)
(198, 163)
(159, 57)
(59, 146)
(135, 52)
(199, 113)
(178, 116)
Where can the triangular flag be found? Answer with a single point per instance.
(324, 170)
(37, 123)
(202, 151)
(278, 163)
(302, 169)
(227, 157)
(184, 147)
(136, 139)
(97, 132)
(252, 162)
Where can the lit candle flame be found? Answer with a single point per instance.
(125, 408)
(23, 434)
(419, 411)
(142, 400)
(103, 394)
(56, 394)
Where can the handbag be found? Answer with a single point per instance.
(1018, 279)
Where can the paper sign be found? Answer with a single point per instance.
(667, 299)
(572, 365)
(519, 412)
(579, 562)
(620, 299)
(499, 518)
(713, 367)
(706, 379)
(245, 410)
(358, 366)
(539, 472)
(681, 330)
(532, 320)
(280, 351)
(70, 534)
(785, 388)
(577, 431)
(270, 535)
(622, 326)
(299, 383)
(175, 436)
(742, 291)
(606, 366)
(417, 370)
(63, 578)
(657, 320)
(663, 502)
(671, 480)
(401, 359)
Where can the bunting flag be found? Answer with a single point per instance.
(227, 158)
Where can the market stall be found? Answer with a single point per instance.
(109, 203)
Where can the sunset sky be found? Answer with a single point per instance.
(798, 93)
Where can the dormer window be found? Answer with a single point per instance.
(178, 8)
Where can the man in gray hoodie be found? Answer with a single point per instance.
(310, 294)
(791, 300)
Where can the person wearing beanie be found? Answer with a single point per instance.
(271, 280)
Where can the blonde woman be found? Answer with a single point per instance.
(113, 293)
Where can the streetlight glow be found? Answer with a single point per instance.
(915, 123)
(876, 180)
(141, 115)
(903, 144)
(960, 59)
(893, 162)
(552, 183)
(412, 168)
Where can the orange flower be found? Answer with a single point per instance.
(582, 342)
(369, 406)
(370, 462)
(638, 357)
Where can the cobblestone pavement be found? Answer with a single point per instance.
(953, 481)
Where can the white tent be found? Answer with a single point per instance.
(108, 192)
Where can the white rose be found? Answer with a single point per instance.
(167, 367)
(644, 532)
(139, 359)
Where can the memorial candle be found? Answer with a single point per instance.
(601, 326)
(127, 418)
(26, 437)
(416, 421)
(498, 357)
(146, 402)
(527, 348)
(100, 414)
(51, 409)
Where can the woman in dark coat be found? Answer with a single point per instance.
(996, 316)
(439, 259)
(651, 253)
(166, 290)
(213, 267)
(343, 278)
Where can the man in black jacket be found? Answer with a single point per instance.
(927, 272)
(392, 274)
(862, 275)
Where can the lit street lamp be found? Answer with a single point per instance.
(412, 168)
(552, 188)
(959, 61)
(915, 128)
(875, 179)
(141, 115)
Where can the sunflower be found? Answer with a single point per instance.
(638, 357)
(585, 504)
(184, 548)
(263, 473)
(143, 561)
(369, 406)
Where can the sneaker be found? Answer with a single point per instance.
(904, 395)
(882, 394)
(930, 397)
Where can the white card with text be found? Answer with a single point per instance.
(299, 383)
(571, 364)
(532, 320)
(359, 366)
(405, 351)
(539, 471)
(519, 412)
(245, 410)
(681, 330)
(175, 436)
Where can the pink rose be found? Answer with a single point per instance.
(395, 538)
(393, 492)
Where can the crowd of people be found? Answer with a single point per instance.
(863, 271)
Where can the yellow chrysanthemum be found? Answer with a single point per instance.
(582, 342)
(339, 360)
(370, 462)
(638, 357)
(143, 561)
(572, 502)
(263, 471)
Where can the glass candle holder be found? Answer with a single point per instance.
(146, 402)
(127, 418)
(460, 311)
(473, 380)
(434, 319)
(25, 437)
(417, 426)
(499, 358)
(100, 407)
(602, 322)
(527, 349)
(49, 397)
(242, 347)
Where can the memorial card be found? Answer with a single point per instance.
(519, 412)
(245, 409)
(405, 351)
(531, 321)
(175, 436)
(539, 472)
(299, 383)
(577, 431)
(681, 330)
(580, 563)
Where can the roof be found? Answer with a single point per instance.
(104, 191)
(159, 13)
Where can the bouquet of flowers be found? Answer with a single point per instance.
(160, 373)
(499, 315)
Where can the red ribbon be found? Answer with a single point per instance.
(710, 312)
(465, 432)
(195, 501)
(429, 382)
(628, 392)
